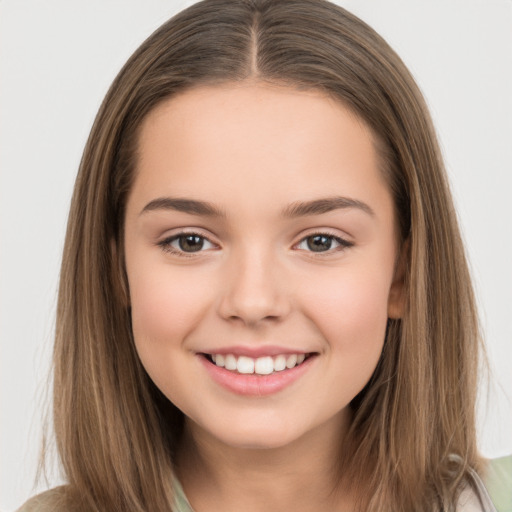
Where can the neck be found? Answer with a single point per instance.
(300, 476)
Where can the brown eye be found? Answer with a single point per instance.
(190, 243)
(323, 242)
(319, 243)
(186, 244)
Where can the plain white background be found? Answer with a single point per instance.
(57, 59)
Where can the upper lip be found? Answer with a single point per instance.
(255, 352)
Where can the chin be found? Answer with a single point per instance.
(258, 441)
(255, 435)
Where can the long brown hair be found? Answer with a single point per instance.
(116, 433)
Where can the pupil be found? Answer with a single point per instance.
(319, 243)
(190, 243)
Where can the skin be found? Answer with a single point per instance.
(252, 149)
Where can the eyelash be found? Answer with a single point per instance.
(167, 247)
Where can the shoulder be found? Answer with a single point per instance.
(54, 500)
(498, 481)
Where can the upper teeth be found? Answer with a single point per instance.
(261, 365)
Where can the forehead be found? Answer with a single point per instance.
(265, 142)
(261, 110)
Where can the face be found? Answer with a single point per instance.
(260, 247)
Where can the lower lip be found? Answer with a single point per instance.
(253, 384)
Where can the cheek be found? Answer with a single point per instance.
(165, 304)
(351, 313)
(352, 318)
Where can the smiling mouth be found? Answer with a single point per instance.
(266, 365)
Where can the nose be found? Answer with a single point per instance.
(255, 290)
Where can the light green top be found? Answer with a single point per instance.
(498, 486)
(181, 504)
(498, 482)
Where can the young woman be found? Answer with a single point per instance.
(264, 299)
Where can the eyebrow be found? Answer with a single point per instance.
(294, 210)
(319, 206)
(184, 205)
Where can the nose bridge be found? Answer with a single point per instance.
(254, 289)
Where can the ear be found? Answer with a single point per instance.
(397, 291)
(119, 279)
